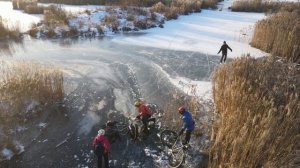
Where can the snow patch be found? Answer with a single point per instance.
(7, 154)
(42, 125)
(101, 104)
(32, 105)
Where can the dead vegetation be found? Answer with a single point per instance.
(257, 114)
(9, 33)
(177, 7)
(25, 83)
(54, 14)
(279, 34)
(264, 6)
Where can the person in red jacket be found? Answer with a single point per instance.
(144, 114)
(101, 148)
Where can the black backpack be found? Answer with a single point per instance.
(98, 149)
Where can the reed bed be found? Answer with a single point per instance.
(54, 14)
(22, 4)
(6, 32)
(24, 83)
(210, 4)
(34, 9)
(263, 6)
(177, 7)
(257, 119)
(279, 34)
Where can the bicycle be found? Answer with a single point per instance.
(135, 127)
(175, 148)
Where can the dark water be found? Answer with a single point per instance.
(102, 80)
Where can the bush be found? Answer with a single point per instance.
(130, 17)
(172, 13)
(177, 7)
(209, 4)
(34, 9)
(112, 21)
(33, 30)
(279, 34)
(55, 14)
(159, 8)
(257, 107)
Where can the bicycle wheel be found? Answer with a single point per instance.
(176, 158)
(133, 131)
(168, 138)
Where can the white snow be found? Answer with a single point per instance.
(32, 105)
(42, 125)
(193, 88)
(15, 18)
(6, 154)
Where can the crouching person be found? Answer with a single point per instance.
(101, 148)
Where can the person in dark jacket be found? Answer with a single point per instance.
(188, 124)
(101, 148)
(224, 48)
(111, 131)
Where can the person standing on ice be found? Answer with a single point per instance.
(224, 48)
(188, 124)
(101, 148)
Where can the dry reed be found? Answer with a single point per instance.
(34, 9)
(279, 34)
(263, 6)
(6, 32)
(55, 15)
(24, 82)
(209, 4)
(257, 107)
(177, 7)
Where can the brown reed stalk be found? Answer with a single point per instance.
(279, 34)
(257, 105)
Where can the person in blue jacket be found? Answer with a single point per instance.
(188, 124)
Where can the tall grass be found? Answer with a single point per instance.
(210, 4)
(6, 32)
(257, 107)
(177, 7)
(22, 4)
(34, 9)
(263, 6)
(75, 2)
(279, 34)
(55, 14)
(24, 82)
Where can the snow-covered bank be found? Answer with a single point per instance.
(76, 8)
(16, 17)
(203, 32)
(98, 22)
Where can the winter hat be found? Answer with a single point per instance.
(101, 132)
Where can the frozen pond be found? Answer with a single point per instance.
(102, 79)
